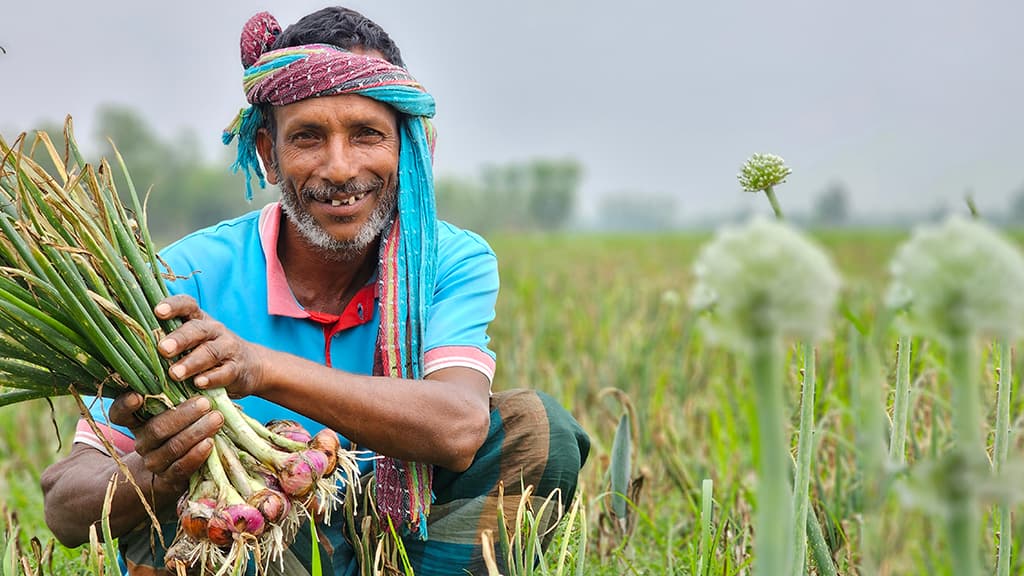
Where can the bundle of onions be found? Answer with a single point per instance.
(79, 279)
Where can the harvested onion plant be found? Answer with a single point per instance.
(765, 282)
(79, 278)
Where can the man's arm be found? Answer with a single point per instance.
(442, 420)
(168, 449)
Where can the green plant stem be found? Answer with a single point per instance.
(236, 427)
(964, 521)
(226, 493)
(805, 448)
(901, 403)
(774, 510)
(770, 193)
(1002, 441)
(704, 559)
(864, 384)
(819, 548)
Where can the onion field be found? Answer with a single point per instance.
(604, 324)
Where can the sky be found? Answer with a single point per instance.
(909, 103)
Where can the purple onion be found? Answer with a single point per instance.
(326, 441)
(234, 519)
(301, 471)
(272, 504)
(290, 430)
(195, 516)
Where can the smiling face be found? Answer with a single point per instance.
(336, 160)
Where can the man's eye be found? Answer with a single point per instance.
(369, 135)
(303, 137)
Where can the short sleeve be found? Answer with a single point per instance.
(465, 292)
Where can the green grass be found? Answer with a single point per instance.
(579, 316)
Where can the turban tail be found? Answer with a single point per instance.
(407, 265)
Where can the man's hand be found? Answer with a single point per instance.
(173, 444)
(213, 355)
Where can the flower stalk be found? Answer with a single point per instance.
(901, 403)
(965, 519)
(774, 514)
(805, 449)
(1002, 447)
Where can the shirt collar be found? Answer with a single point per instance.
(280, 300)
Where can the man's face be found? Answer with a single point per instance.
(336, 160)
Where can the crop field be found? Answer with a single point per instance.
(603, 324)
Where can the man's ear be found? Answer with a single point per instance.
(265, 148)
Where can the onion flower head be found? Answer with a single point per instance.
(764, 276)
(763, 171)
(959, 275)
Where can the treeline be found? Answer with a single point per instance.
(188, 191)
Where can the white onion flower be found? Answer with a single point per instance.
(960, 275)
(763, 171)
(764, 275)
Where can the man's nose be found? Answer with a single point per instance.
(339, 165)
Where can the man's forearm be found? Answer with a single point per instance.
(74, 490)
(435, 421)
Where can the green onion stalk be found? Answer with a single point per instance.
(901, 403)
(762, 283)
(1002, 447)
(79, 278)
(805, 449)
(762, 173)
(959, 280)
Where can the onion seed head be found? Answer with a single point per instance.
(959, 275)
(764, 276)
(763, 171)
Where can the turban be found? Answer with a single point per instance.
(407, 260)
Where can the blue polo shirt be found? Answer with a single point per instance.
(233, 271)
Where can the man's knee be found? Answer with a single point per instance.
(532, 441)
(543, 442)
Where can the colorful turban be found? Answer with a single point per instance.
(407, 266)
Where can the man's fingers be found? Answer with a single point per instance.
(179, 471)
(166, 425)
(122, 410)
(171, 457)
(220, 376)
(206, 356)
(178, 306)
(188, 336)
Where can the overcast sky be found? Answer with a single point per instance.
(910, 103)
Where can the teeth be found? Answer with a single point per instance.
(349, 201)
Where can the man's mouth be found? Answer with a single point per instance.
(348, 201)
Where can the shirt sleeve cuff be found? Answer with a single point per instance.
(459, 356)
(119, 440)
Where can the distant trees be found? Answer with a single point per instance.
(539, 194)
(186, 193)
(1017, 208)
(832, 206)
(637, 211)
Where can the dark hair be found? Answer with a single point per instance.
(341, 27)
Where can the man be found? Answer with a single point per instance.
(348, 305)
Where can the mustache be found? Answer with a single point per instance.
(324, 192)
